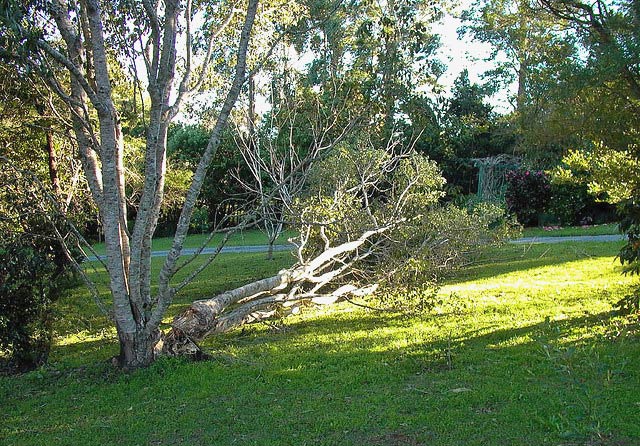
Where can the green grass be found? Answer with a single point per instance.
(243, 238)
(523, 350)
(605, 229)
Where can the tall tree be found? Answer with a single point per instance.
(531, 49)
(81, 37)
(520, 38)
(380, 51)
(609, 33)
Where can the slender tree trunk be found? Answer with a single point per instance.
(272, 241)
(522, 85)
(50, 150)
(53, 164)
(165, 292)
(136, 312)
(251, 113)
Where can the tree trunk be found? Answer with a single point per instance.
(522, 85)
(53, 164)
(137, 349)
(136, 312)
(270, 250)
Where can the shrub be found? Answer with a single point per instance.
(200, 220)
(527, 195)
(31, 280)
(571, 203)
(630, 225)
(630, 253)
(34, 269)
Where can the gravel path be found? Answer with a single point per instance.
(227, 249)
(264, 248)
(577, 238)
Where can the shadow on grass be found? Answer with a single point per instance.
(355, 378)
(81, 314)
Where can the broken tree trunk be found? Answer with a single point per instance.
(320, 280)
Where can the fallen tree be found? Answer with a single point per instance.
(370, 224)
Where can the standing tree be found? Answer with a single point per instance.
(381, 51)
(84, 39)
(608, 104)
(530, 50)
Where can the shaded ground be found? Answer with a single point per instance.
(522, 350)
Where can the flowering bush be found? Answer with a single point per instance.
(528, 193)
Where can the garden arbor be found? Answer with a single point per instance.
(491, 175)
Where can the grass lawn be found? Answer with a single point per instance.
(606, 229)
(523, 350)
(243, 238)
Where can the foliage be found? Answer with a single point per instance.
(630, 225)
(529, 48)
(610, 174)
(436, 245)
(355, 191)
(33, 136)
(200, 220)
(465, 129)
(177, 180)
(528, 193)
(629, 255)
(30, 282)
(379, 52)
(576, 68)
(34, 270)
(185, 146)
(570, 203)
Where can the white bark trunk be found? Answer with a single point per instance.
(165, 292)
(137, 313)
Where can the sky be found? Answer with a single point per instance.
(466, 53)
(457, 54)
